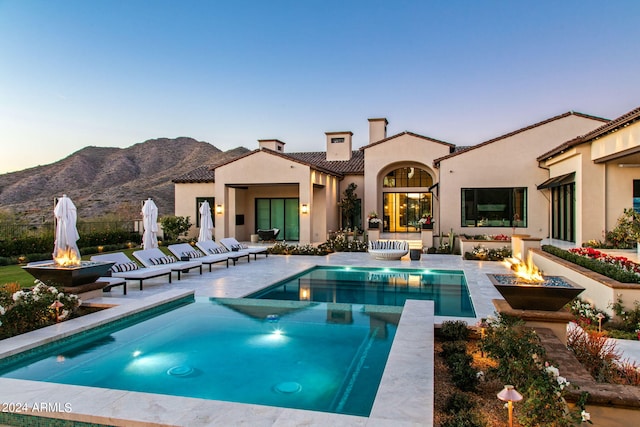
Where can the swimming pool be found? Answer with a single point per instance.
(318, 356)
(379, 286)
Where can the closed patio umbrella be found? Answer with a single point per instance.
(65, 250)
(150, 225)
(206, 223)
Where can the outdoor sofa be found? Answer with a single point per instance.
(155, 258)
(232, 244)
(212, 248)
(125, 268)
(184, 251)
(388, 249)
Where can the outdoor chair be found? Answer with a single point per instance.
(125, 268)
(186, 252)
(268, 235)
(388, 249)
(155, 258)
(232, 244)
(212, 248)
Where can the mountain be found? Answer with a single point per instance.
(109, 181)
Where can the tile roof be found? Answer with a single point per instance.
(315, 159)
(407, 133)
(436, 162)
(609, 127)
(354, 166)
(201, 174)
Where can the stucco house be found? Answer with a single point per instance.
(592, 179)
(497, 186)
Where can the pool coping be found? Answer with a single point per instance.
(405, 395)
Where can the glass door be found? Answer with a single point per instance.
(402, 211)
(279, 213)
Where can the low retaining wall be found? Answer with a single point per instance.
(600, 290)
(467, 245)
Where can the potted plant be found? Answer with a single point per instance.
(374, 221)
(426, 222)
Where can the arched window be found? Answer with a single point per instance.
(407, 177)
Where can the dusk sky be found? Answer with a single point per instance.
(114, 73)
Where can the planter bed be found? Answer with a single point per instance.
(467, 245)
(600, 290)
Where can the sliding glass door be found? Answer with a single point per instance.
(281, 213)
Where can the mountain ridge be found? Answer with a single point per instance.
(109, 181)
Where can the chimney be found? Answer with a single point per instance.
(377, 129)
(338, 145)
(272, 144)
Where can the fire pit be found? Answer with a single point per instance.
(550, 295)
(71, 276)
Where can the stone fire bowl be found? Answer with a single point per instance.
(54, 275)
(551, 295)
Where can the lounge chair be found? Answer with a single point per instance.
(388, 249)
(184, 251)
(232, 244)
(212, 248)
(268, 235)
(155, 258)
(127, 269)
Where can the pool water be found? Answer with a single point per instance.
(379, 286)
(317, 356)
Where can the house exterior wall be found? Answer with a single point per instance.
(507, 163)
(603, 190)
(403, 150)
(185, 201)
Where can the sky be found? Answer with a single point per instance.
(113, 73)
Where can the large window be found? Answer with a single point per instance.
(407, 177)
(494, 207)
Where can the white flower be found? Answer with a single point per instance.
(585, 415)
(480, 375)
(64, 314)
(60, 296)
(562, 382)
(553, 371)
(2, 311)
(18, 295)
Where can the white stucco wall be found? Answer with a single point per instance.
(405, 150)
(507, 162)
(185, 201)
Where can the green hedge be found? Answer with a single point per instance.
(38, 245)
(609, 270)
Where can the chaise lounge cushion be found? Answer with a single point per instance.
(388, 249)
(123, 262)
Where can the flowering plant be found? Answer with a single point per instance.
(618, 261)
(373, 218)
(29, 309)
(426, 219)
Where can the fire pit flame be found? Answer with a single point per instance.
(66, 258)
(528, 272)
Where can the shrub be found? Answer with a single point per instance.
(454, 330)
(175, 226)
(28, 309)
(627, 319)
(520, 361)
(627, 231)
(609, 270)
(453, 347)
(596, 352)
(465, 418)
(459, 402)
(488, 254)
(339, 242)
(463, 375)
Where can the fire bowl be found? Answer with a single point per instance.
(59, 276)
(551, 295)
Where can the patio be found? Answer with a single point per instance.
(406, 387)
